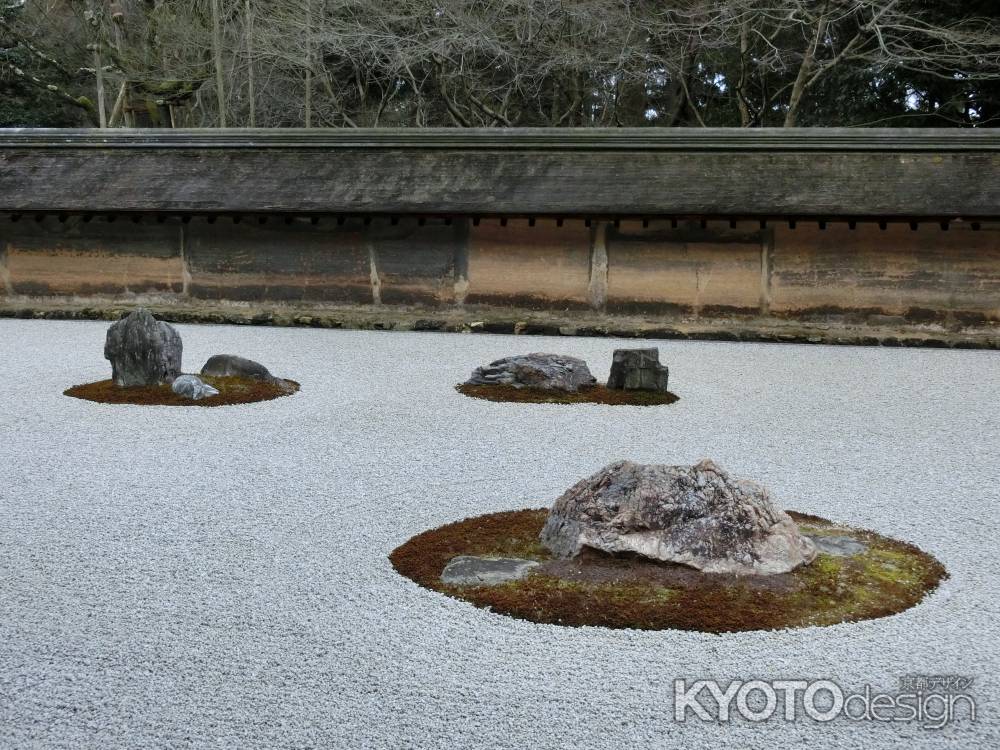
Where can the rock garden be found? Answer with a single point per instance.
(637, 378)
(299, 573)
(670, 547)
(145, 356)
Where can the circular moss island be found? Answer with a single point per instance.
(595, 394)
(232, 390)
(856, 575)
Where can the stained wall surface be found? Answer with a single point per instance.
(922, 271)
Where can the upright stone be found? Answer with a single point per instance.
(143, 350)
(638, 370)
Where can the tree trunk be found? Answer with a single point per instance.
(309, 64)
(102, 112)
(741, 84)
(251, 92)
(799, 88)
(116, 110)
(220, 90)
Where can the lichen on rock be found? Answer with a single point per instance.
(691, 515)
(556, 372)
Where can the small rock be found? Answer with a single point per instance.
(691, 515)
(229, 365)
(467, 570)
(143, 350)
(193, 387)
(638, 370)
(553, 372)
(839, 545)
(428, 325)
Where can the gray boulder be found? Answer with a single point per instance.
(193, 387)
(229, 365)
(692, 515)
(638, 370)
(468, 570)
(143, 350)
(554, 372)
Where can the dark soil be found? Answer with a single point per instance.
(625, 591)
(232, 390)
(597, 394)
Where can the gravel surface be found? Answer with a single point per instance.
(218, 577)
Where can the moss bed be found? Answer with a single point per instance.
(598, 394)
(232, 390)
(618, 591)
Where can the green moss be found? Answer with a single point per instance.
(888, 578)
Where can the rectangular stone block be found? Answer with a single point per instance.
(638, 370)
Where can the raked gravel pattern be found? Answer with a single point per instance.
(219, 577)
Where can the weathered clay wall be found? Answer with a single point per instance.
(925, 272)
(658, 268)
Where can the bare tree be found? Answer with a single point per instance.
(475, 63)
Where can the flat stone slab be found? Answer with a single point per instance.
(467, 570)
(839, 545)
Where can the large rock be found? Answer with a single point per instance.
(229, 365)
(554, 372)
(693, 515)
(638, 370)
(143, 350)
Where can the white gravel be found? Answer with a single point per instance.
(218, 577)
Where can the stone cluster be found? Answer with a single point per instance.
(631, 370)
(146, 351)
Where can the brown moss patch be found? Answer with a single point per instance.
(626, 591)
(598, 394)
(232, 390)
